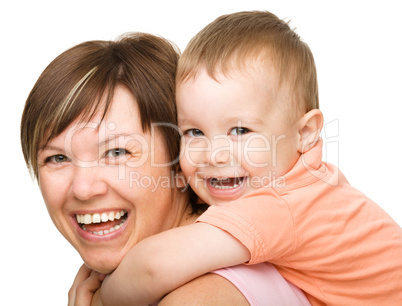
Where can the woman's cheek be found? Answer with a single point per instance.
(52, 186)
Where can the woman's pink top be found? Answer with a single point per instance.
(262, 284)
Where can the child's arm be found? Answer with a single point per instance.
(162, 263)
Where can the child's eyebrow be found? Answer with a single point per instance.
(184, 121)
(244, 119)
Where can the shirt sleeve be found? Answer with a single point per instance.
(262, 222)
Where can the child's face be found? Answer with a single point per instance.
(238, 136)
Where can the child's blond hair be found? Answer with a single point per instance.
(235, 38)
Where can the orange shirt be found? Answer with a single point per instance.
(322, 235)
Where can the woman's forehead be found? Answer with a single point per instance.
(122, 118)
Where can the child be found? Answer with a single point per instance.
(247, 100)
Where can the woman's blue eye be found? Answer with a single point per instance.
(237, 131)
(194, 133)
(118, 152)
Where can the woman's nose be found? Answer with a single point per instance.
(221, 151)
(88, 183)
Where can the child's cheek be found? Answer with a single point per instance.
(256, 153)
(195, 152)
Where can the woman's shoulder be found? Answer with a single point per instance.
(262, 284)
(259, 284)
(209, 289)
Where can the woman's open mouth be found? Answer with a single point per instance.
(102, 223)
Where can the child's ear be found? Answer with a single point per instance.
(309, 127)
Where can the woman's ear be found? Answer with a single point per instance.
(309, 128)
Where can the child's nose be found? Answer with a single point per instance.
(221, 150)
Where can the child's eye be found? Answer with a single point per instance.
(117, 152)
(237, 131)
(57, 159)
(194, 133)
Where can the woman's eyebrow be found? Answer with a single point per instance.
(50, 147)
(112, 137)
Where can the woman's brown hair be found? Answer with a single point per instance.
(78, 82)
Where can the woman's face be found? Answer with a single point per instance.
(107, 186)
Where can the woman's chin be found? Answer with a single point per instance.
(102, 268)
(103, 265)
(103, 253)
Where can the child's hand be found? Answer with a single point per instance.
(84, 291)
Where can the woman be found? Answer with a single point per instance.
(98, 133)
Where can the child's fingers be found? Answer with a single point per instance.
(83, 273)
(85, 283)
(85, 291)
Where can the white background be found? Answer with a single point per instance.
(357, 47)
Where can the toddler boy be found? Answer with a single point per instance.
(247, 99)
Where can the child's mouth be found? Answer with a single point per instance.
(226, 183)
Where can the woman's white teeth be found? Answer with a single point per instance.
(98, 218)
(104, 217)
(105, 232)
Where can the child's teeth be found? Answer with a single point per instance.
(105, 217)
(111, 216)
(226, 187)
(216, 183)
